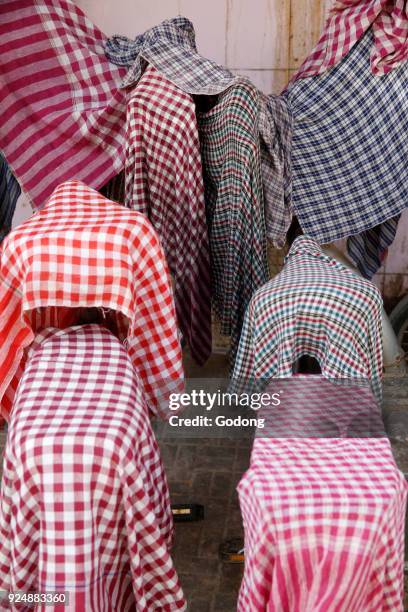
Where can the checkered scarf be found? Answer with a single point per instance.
(63, 116)
(85, 506)
(83, 251)
(164, 181)
(349, 147)
(347, 22)
(9, 194)
(234, 199)
(170, 47)
(324, 523)
(317, 307)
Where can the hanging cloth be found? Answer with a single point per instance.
(164, 181)
(349, 146)
(63, 114)
(347, 22)
(235, 207)
(171, 48)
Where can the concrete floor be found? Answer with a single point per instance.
(206, 471)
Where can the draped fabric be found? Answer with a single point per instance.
(84, 506)
(349, 147)
(84, 252)
(369, 248)
(170, 47)
(324, 524)
(63, 115)
(230, 153)
(315, 306)
(164, 180)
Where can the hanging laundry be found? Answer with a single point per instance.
(347, 22)
(164, 181)
(234, 199)
(9, 194)
(324, 518)
(63, 115)
(315, 306)
(83, 251)
(85, 504)
(275, 128)
(349, 147)
(369, 248)
(170, 47)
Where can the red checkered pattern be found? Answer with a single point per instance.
(348, 20)
(84, 505)
(63, 115)
(84, 251)
(164, 181)
(324, 523)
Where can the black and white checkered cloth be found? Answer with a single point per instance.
(9, 194)
(350, 146)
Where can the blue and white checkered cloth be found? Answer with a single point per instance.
(349, 147)
(171, 48)
(367, 249)
(9, 193)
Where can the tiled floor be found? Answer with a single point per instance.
(207, 471)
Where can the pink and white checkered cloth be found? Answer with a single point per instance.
(83, 251)
(84, 506)
(63, 114)
(312, 406)
(347, 22)
(324, 522)
(164, 180)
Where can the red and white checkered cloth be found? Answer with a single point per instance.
(84, 506)
(347, 22)
(83, 251)
(63, 115)
(164, 181)
(324, 520)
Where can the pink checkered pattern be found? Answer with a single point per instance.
(313, 406)
(324, 522)
(164, 181)
(348, 20)
(63, 115)
(84, 506)
(83, 251)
